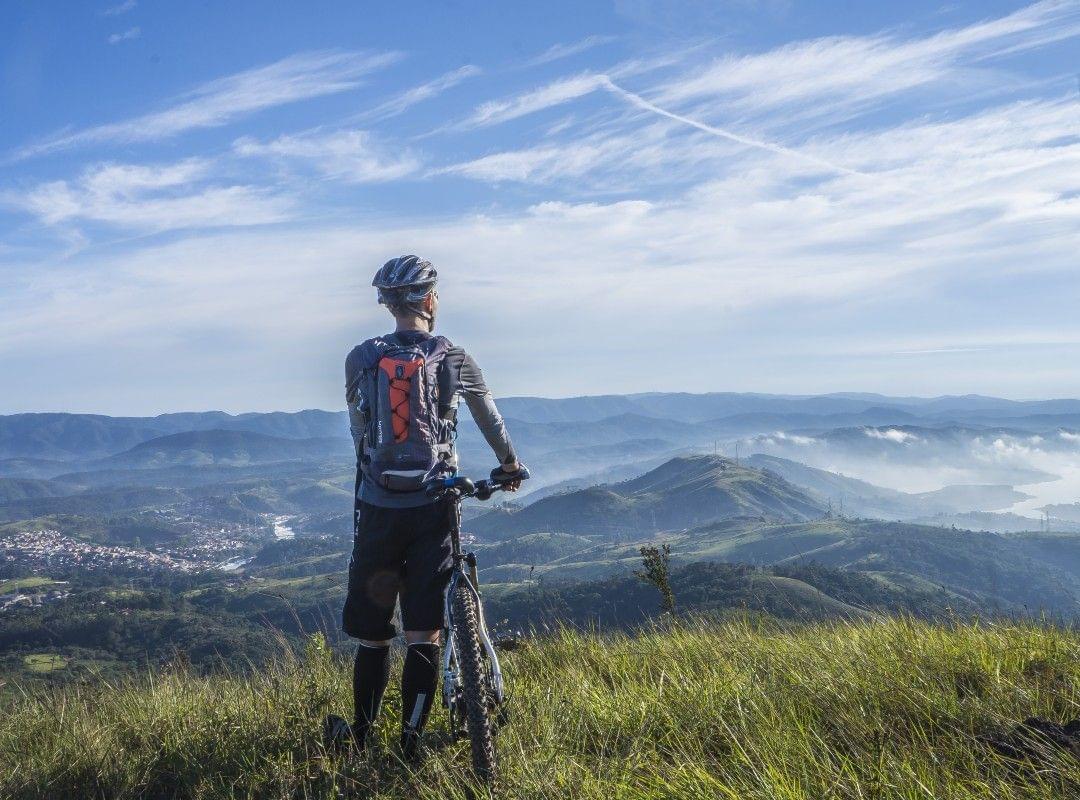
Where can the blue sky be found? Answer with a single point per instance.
(620, 196)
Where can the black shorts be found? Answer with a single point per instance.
(397, 551)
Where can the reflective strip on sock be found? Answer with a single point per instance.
(417, 710)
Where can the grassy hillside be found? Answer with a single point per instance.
(1026, 574)
(681, 493)
(803, 593)
(849, 710)
(110, 501)
(12, 489)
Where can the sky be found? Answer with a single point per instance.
(775, 196)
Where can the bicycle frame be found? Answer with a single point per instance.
(459, 574)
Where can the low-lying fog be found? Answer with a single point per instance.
(1044, 466)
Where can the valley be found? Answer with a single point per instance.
(204, 536)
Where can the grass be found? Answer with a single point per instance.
(21, 584)
(886, 709)
(44, 662)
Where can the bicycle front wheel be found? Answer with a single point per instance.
(474, 683)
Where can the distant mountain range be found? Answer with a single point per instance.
(778, 530)
(714, 405)
(224, 447)
(86, 436)
(564, 422)
(587, 444)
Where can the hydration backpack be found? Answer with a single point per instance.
(408, 429)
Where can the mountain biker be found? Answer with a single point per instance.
(401, 545)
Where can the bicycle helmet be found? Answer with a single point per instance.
(405, 281)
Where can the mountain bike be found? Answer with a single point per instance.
(473, 689)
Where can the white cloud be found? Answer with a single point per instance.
(991, 191)
(891, 435)
(353, 156)
(130, 33)
(150, 198)
(225, 100)
(831, 77)
(623, 160)
(794, 438)
(643, 222)
(556, 93)
(823, 75)
(560, 51)
(121, 8)
(712, 130)
(541, 164)
(418, 94)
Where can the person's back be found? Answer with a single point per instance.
(402, 390)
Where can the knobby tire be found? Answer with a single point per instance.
(474, 683)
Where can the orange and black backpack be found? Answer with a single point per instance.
(408, 429)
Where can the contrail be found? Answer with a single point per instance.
(641, 102)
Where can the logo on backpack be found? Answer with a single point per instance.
(405, 438)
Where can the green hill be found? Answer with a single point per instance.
(796, 592)
(111, 501)
(12, 489)
(884, 710)
(1025, 574)
(681, 493)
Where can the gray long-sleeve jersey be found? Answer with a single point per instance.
(458, 377)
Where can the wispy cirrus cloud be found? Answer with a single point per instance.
(776, 219)
(770, 94)
(837, 72)
(984, 194)
(224, 100)
(540, 164)
(634, 153)
(418, 94)
(120, 8)
(130, 33)
(837, 75)
(351, 156)
(712, 130)
(150, 198)
(563, 90)
(495, 112)
(559, 51)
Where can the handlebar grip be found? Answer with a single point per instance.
(498, 477)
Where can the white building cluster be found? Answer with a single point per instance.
(49, 551)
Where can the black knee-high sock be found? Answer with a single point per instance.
(371, 671)
(419, 678)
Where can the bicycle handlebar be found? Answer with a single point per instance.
(466, 487)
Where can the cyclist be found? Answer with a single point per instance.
(401, 545)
